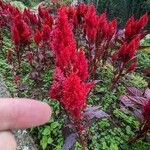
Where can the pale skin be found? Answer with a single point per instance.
(18, 113)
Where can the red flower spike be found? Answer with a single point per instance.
(133, 46)
(55, 91)
(30, 17)
(91, 23)
(41, 12)
(37, 37)
(46, 31)
(48, 20)
(134, 27)
(82, 66)
(74, 97)
(142, 22)
(112, 28)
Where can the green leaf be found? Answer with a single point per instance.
(44, 142)
(46, 131)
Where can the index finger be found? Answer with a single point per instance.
(24, 113)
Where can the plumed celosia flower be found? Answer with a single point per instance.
(74, 95)
(106, 29)
(62, 36)
(81, 11)
(46, 31)
(91, 23)
(30, 17)
(37, 37)
(146, 111)
(20, 31)
(134, 27)
(72, 15)
(128, 50)
(112, 28)
(42, 12)
(55, 91)
(48, 20)
(81, 66)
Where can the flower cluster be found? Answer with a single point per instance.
(20, 31)
(71, 70)
(134, 27)
(97, 31)
(30, 33)
(125, 58)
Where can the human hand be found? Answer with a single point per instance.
(18, 113)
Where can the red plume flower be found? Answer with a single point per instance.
(74, 95)
(46, 31)
(37, 37)
(134, 27)
(91, 23)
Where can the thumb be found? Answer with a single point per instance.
(7, 141)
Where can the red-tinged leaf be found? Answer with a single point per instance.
(134, 91)
(138, 100)
(95, 112)
(138, 113)
(130, 106)
(147, 93)
(70, 141)
(126, 101)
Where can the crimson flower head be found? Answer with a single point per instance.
(81, 66)
(112, 28)
(20, 31)
(30, 17)
(41, 12)
(128, 50)
(74, 95)
(37, 37)
(134, 27)
(146, 111)
(48, 20)
(142, 22)
(81, 11)
(55, 91)
(91, 23)
(46, 31)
